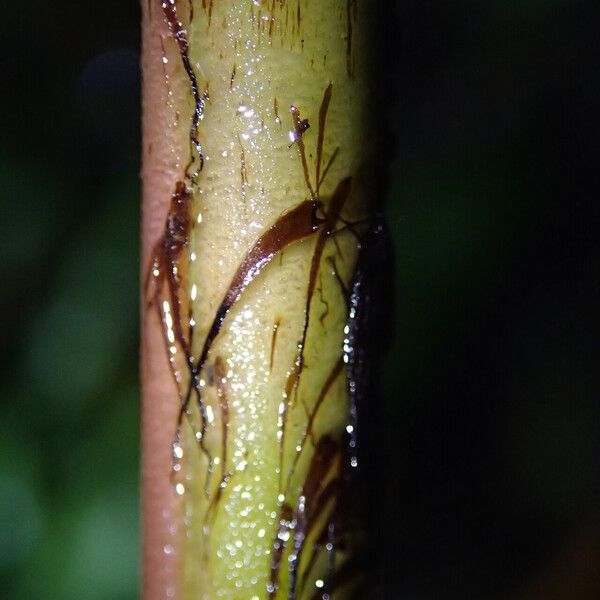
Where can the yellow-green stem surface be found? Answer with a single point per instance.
(261, 454)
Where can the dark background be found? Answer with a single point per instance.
(488, 453)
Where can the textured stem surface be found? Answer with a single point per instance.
(255, 213)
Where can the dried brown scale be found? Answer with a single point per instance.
(233, 71)
(276, 111)
(176, 234)
(208, 7)
(166, 264)
(273, 342)
(322, 118)
(293, 519)
(333, 488)
(179, 34)
(224, 406)
(333, 375)
(324, 302)
(300, 126)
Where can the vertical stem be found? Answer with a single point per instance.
(255, 214)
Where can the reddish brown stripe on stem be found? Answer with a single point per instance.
(273, 342)
(335, 372)
(224, 406)
(180, 36)
(300, 126)
(321, 135)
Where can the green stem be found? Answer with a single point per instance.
(254, 164)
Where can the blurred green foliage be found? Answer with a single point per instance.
(488, 430)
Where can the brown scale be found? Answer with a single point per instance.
(219, 375)
(298, 523)
(273, 342)
(327, 500)
(276, 111)
(308, 431)
(176, 235)
(168, 267)
(338, 533)
(167, 273)
(179, 34)
(233, 71)
(243, 176)
(324, 302)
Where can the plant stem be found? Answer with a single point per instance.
(254, 216)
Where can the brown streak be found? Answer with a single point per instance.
(308, 523)
(318, 545)
(179, 34)
(328, 166)
(321, 135)
(335, 206)
(338, 278)
(224, 406)
(243, 174)
(300, 126)
(325, 452)
(273, 341)
(232, 76)
(167, 262)
(271, 19)
(313, 499)
(333, 375)
(323, 301)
